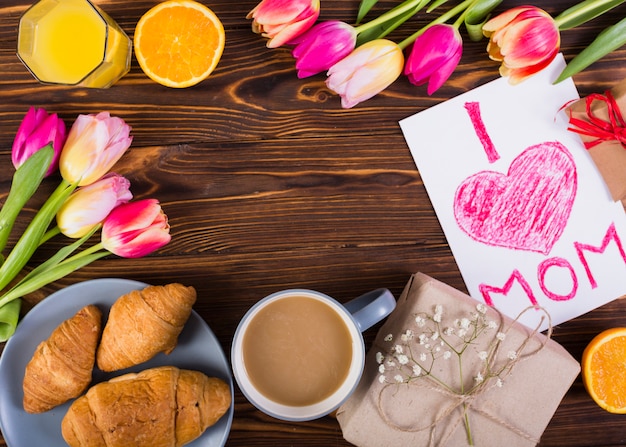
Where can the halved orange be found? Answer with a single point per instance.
(178, 43)
(604, 369)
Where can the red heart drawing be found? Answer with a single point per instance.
(528, 208)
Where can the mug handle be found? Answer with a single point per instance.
(371, 307)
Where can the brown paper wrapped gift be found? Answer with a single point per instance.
(601, 133)
(512, 412)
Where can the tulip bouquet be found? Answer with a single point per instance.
(360, 62)
(89, 198)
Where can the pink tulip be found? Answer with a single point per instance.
(89, 205)
(283, 20)
(525, 39)
(322, 46)
(95, 143)
(365, 72)
(135, 229)
(434, 56)
(37, 130)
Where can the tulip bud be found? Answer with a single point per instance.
(283, 20)
(434, 56)
(94, 144)
(89, 205)
(135, 229)
(365, 72)
(38, 129)
(525, 39)
(323, 46)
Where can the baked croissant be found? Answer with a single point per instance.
(143, 323)
(62, 365)
(158, 407)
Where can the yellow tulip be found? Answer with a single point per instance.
(365, 72)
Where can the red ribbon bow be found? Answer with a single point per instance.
(614, 129)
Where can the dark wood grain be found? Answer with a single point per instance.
(269, 184)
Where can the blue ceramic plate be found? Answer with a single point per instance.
(197, 349)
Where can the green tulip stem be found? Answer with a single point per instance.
(458, 9)
(403, 8)
(50, 234)
(457, 23)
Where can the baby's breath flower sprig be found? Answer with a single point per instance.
(417, 350)
(413, 354)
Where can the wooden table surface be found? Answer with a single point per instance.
(268, 184)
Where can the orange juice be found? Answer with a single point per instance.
(73, 42)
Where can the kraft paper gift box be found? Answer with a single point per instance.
(600, 132)
(511, 406)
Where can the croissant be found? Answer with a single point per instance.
(158, 407)
(61, 366)
(143, 323)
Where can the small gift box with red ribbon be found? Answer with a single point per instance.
(600, 121)
(447, 370)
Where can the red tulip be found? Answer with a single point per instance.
(136, 229)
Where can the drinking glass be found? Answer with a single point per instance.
(73, 42)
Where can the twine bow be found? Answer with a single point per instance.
(459, 401)
(464, 401)
(613, 129)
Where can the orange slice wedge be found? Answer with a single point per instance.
(604, 370)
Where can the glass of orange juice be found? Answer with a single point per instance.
(73, 42)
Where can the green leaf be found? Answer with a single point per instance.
(26, 180)
(364, 8)
(607, 41)
(9, 315)
(583, 12)
(31, 237)
(475, 30)
(57, 272)
(477, 15)
(57, 258)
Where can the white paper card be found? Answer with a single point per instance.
(524, 209)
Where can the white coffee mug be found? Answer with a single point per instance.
(288, 378)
